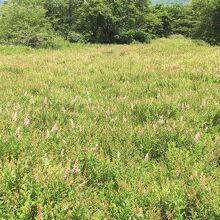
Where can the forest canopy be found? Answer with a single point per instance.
(47, 23)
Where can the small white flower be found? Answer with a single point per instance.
(118, 155)
(75, 170)
(64, 142)
(146, 158)
(14, 117)
(45, 101)
(197, 137)
(62, 153)
(18, 133)
(72, 124)
(26, 121)
(18, 106)
(48, 134)
(80, 186)
(54, 128)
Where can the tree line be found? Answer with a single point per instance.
(49, 23)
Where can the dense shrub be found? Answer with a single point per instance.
(35, 22)
(207, 16)
(127, 37)
(97, 21)
(142, 36)
(182, 21)
(25, 24)
(75, 37)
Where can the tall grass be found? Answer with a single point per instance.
(110, 132)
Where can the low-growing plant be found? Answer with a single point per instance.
(110, 131)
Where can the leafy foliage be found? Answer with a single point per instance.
(106, 21)
(207, 15)
(26, 24)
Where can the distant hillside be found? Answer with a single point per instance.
(169, 1)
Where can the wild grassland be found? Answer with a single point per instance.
(110, 132)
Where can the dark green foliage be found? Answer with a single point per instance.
(182, 19)
(207, 15)
(37, 23)
(96, 19)
(127, 37)
(216, 119)
(114, 21)
(74, 37)
(163, 27)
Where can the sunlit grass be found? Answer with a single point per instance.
(110, 132)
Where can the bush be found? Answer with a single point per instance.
(74, 37)
(142, 36)
(25, 24)
(127, 37)
(55, 43)
(207, 16)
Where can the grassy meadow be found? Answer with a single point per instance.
(110, 132)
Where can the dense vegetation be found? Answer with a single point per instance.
(94, 131)
(47, 23)
(170, 1)
(110, 132)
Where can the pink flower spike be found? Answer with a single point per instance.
(17, 132)
(54, 128)
(26, 121)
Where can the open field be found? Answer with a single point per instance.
(110, 132)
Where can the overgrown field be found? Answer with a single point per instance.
(110, 132)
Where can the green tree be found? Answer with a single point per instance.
(97, 21)
(207, 16)
(182, 20)
(24, 22)
(163, 25)
(63, 15)
(108, 21)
